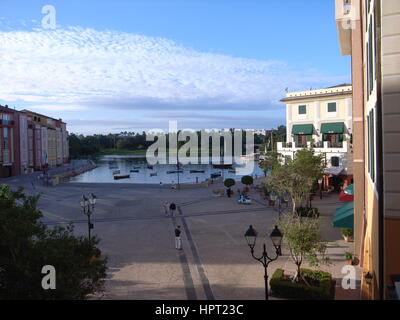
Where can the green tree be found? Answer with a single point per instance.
(302, 236)
(229, 182)
(247, 180)
(271, 160)
(297, 177)
(26, 245)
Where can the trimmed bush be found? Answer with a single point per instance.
(229, 182)
(247, 180)
(321, 286)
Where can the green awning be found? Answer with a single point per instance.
(333, 127)
(302, 129)
(344, 216)
(349, 189)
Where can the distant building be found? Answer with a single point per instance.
(321, 119)
(30, 141)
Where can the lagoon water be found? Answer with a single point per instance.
(159, 173)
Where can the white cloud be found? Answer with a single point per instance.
(76, 69)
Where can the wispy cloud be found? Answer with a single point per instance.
(75, 69)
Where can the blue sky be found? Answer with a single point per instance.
(118, 65)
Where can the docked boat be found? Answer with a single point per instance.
(196, 171)
(116, 172)
(150, 167)
(134, 170)
(175, 171)
(222, 166)
(215, 175)
(153, 174)
(232, 171)
(126, 176)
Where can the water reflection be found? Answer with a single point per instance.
(135, 169)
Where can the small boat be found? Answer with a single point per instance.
(196, 171)
(126, 176)
(134, 170)
(153, 174)
(150, 167)
(222, 166)
(175, 171)
(136, 167)
(215, 175)
(116, 172)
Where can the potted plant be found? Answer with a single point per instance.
(347, 234)
(348, 256)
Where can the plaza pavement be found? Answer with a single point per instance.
(138, 239)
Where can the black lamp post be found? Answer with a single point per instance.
(87, 205)
(265, 260)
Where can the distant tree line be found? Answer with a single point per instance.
(90, 145)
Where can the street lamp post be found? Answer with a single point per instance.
(87, 205)
(265, 260)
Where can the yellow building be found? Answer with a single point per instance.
(369, 30)
(321, 119)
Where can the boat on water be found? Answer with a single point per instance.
(116, 172)
(197, 171)
(215, 175)
(126, 176)
(222, 166)
(136, 167)
(153, 174)
(175, 171)
(134, 170)
(232, 171)
(150, 167)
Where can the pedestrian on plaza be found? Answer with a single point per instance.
(172, 208)
(173, 186)
(166, 208)
(178, 241)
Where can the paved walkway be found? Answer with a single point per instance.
(138, 239)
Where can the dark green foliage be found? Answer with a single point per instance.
(229, 182)
(321, 286)
(247, 180)
(308, 212)
(26, 245)
(347, 232)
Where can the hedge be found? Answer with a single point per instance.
(284, 288)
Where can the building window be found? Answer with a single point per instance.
(335, 161)
(303, 109)
(371, 145)
(332, 107)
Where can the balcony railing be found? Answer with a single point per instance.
(334, 144)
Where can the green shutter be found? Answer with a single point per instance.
(332, 107)
(302, 109)
(302, 129)
(333, 127)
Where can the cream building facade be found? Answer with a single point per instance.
(321, 119)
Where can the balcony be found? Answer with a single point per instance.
(319, 146)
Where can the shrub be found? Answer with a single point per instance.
(308, 212)
(247, 180)
(229, 182)
(320, 288)
(347, 232)
(348, 256)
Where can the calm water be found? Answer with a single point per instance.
(107, 165)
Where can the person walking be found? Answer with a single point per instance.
(178, 241)
(172, 208)
(166, 208)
